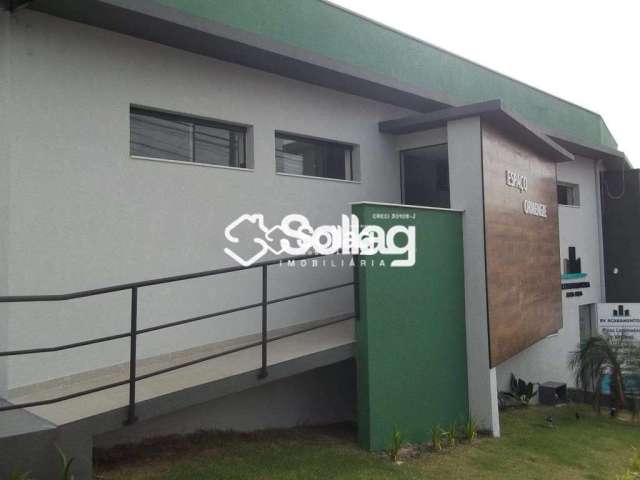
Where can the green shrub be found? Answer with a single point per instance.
(65, 465)
(470, 430)
(523, 391)
(436, 438)
(396, 444)
(450, 434)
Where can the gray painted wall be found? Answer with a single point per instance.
(319, 397)
(465, 173)
(85, 215)
(4, 190)
(579, 227)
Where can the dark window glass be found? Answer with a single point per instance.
(425, 176)
(174, 137)
(563, 195)
(568, 194)
(158, 137)
(315, 158)
(219, 146)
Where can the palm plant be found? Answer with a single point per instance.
(605, 355)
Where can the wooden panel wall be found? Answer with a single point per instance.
(522, 251)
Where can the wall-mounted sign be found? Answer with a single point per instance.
(534, 208)
(572, 270)
(516, 180)
(521, 183)
(619, 319)
(572, 266)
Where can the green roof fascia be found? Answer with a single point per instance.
(333, 32)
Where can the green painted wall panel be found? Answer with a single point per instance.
(412, 367)
(322, 28)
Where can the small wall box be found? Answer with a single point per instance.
(552, 393)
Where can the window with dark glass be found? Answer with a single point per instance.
(315, 158)
(175, 137)
(568, 194)
(425, 176)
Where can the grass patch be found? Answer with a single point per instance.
(593, 447)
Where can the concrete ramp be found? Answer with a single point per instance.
(73, 423)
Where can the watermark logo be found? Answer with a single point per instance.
(295, 236)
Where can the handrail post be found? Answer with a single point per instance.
(263, 371)
(131, 415)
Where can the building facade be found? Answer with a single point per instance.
(133, 133)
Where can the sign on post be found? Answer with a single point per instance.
(616, 319)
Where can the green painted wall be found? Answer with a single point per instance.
(412, 365)
(334, 33)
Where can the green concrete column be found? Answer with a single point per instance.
(412, 366)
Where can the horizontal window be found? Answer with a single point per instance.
(315, 158)
(185, 139)
(568, 194)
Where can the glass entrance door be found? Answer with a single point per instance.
(425, 176)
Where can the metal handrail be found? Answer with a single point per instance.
(133, 333)
(30, 351)
(147, 283)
